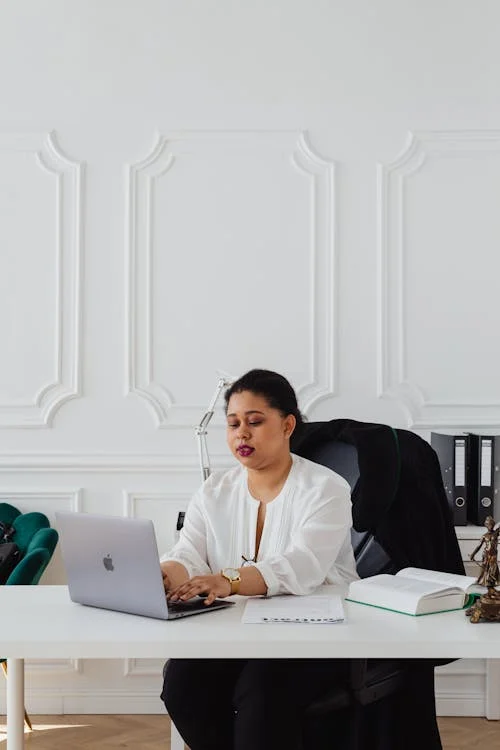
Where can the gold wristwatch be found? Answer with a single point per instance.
(233, 576)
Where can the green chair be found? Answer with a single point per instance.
(36, 541)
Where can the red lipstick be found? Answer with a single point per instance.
(245, 450)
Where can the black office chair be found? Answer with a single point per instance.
(370, 680)
(387, 704)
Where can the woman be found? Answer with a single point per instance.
(275, 524)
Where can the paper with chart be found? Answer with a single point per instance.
(310, 610)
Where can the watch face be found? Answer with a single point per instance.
(231, 573)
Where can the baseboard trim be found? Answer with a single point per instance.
(148, 702)
(97, 702)
(460, 705)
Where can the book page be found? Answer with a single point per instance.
(397, 592)
(316, 610)
(466, 583)
(385, 583)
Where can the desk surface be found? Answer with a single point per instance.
(42, 622)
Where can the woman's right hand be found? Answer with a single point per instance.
(166, 581)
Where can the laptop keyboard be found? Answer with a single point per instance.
(191, 604)
(195, 607)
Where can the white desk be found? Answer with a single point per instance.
(42, 622)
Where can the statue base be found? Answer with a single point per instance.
(486, 608)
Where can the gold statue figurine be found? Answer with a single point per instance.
(487, 607)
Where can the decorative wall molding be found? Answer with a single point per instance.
(72, 498)
(323, 291)
(393, 379)
(461, 668)
(493, 689)
(107, 463)
(132, 499)
(140, 180)
(67, 187)
(143, 668)
(54, 666)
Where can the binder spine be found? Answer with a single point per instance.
(452, 456)
(483, 507)
(460, 499)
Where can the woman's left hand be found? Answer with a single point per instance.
(213, 586)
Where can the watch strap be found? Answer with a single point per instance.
(233, 582)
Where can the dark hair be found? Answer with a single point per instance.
(275, 388)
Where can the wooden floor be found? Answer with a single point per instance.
(152, 732)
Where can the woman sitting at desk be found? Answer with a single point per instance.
(275, 524)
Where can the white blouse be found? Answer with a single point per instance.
(306, 536)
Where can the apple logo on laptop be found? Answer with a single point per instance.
(108, 562)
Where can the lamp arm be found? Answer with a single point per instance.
(201, 429)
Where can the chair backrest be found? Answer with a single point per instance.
(399, 498)
(36, 541)
(29, 571)
(342, 458)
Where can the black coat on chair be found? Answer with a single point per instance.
(399, 496)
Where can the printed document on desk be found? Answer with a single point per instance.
(310, 610)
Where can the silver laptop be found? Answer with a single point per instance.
(112, 562)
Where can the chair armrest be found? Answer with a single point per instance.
(374, 679)
(368, 681)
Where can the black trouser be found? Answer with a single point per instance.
(246, 704)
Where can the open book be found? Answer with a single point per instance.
(416, 591)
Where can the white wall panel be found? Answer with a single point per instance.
(201, 207)
(40, 225)
(438, 316)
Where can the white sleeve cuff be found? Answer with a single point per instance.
(271, 580)
(189, 567)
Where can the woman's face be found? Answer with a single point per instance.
(257, 434)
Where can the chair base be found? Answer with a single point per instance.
(387, 724)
